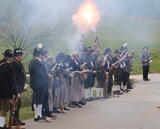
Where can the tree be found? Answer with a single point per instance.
(17, 30)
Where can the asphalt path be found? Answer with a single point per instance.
(138, 109)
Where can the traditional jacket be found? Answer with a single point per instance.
(86, 58)
(108, 64)
(145, 58)
(38, 75)
(19, 75)
(8, 86)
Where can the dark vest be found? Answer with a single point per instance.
(38, 75)
(8, 86)
(19, 75)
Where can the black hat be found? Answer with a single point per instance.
(68, 58)
(107, 50)
(145, 47)
(60, 57)
(89, 47)
(18, 52)
(37, 52)
(8, 53)
(85, 49)
(44, 51)
(117, 51)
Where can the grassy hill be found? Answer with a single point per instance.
(114, 30)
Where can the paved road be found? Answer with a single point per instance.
(136, 110)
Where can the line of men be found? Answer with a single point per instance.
(12, 85)
(66, 81)
(69, 80)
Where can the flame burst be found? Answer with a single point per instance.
(86, 17)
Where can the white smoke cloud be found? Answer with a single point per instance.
(50, 12)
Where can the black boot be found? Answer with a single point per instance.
(82, 102)
(16, 122)
(21, 123)
(37, 119)
(55, 110)
(67, 109)
(77, 105)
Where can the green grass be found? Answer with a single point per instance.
(113, 31)
(136, 31)
(25, 113)
(27, 98)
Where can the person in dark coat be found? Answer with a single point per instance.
(117, 71)
(126, 72)
(109, 70)
(8, 87)
(76, 81)
(68, 69)
(47, 96)
(89, 82)
(101, 78)
(20, 81)
(129, 62)
(38, 81)
(59, 84)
